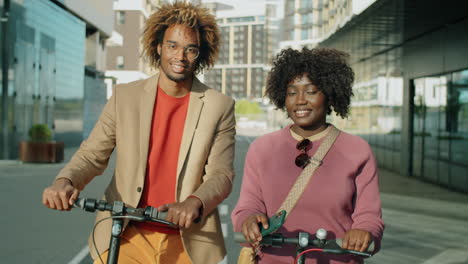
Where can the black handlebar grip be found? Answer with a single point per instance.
(90, 205)
(153, 213)
(162, 215)
(370, 248)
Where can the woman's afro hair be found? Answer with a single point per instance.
(327, 68)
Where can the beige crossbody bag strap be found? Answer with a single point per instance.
(303, 179)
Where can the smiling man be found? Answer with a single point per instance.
(174, 139)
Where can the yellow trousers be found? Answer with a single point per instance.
(143, 246)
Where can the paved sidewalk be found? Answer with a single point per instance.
(424, 223)
(413, 195)
(392, 182)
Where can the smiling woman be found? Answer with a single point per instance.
(342, 193)
(306, 106)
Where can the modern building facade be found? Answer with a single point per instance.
(411, 88)
(273, 27)
(240, 69)
(307, 22)
(54, 61)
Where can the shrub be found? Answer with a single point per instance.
(40, 133)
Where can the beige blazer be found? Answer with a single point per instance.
(205, 166)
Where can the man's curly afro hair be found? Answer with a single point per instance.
(192, 16)
(327, 68)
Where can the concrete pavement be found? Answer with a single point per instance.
(425, 223)
(33, 233)
(413, 195)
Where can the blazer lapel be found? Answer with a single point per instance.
(191, 121)
(148, 98)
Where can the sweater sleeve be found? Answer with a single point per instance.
(251, 198)
(367, 213)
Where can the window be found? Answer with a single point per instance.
(304, 34)
(241, 19)
(440, 126)
(304, 4)
(120, 16)
(120, 62)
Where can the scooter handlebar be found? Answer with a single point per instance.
(139, 214)
(329, 246)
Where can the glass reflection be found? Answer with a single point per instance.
(440, 129)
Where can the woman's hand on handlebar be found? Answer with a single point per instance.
(251, 230)
(184, 213)
(356, 239)
(60, 195)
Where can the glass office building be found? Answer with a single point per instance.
(411, 88)
(54, 65)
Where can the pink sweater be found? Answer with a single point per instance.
(343, 193)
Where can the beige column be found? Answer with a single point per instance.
(223, 80)
(231, 45)
(249, 60)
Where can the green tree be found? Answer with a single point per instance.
(245, 107)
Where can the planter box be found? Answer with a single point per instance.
(46, 152)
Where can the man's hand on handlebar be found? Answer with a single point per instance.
(184, 213)
(357, 239)
(60, 195)
(251, 230)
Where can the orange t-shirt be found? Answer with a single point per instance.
(161, 171)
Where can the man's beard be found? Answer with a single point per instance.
(178, 78)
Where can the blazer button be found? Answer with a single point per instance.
(139, 189)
